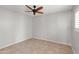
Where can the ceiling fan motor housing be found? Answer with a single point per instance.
(34, 6)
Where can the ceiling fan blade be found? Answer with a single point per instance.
(28, 7)
(40, 12)
(39, 8)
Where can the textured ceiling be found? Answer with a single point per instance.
(47, 8)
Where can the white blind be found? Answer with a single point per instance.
(77, 19)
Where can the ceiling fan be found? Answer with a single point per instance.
(34, 9)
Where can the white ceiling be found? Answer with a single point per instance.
(47, 8)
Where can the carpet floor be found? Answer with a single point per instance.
(36, 46)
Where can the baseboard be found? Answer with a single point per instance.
(52, 41)
(12, 43)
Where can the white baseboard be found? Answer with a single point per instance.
(12, 43)
(52, 41)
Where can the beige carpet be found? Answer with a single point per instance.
(37, 46)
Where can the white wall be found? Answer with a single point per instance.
(14, 27)
(75, 32)
(39, 27)
(55, 27)
(24, 28)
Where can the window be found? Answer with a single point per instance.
(77, 20)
